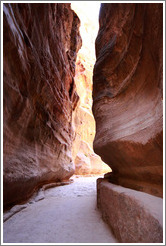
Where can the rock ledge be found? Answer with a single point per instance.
(134, 216)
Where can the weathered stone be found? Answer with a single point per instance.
(134, 217)
(97, 165)
(82, 163)
(84, 128)
(41, 42)
(83, 120)
(127, 94)
(87, 162)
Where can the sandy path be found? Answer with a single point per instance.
(67, 214)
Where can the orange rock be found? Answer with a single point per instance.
(83, 120)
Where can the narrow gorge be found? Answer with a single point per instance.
(52, 82)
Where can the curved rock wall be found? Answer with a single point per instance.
(127, 94)
(41, 42)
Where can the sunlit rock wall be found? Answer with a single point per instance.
(127, 94)
(41, 42)
(86, 161)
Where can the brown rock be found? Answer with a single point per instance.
(134, 217)
(41, 42)
(127, 94)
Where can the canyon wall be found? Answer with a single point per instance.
(127, 94)
(86, 161)
(41, 42)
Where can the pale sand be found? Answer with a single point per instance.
(66, 214)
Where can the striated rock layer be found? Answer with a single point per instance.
(127, 94)
(41, 42)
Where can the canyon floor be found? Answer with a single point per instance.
(63, 214)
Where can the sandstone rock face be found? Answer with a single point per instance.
(41, 42)
(127, 94)
(86, 161)
(134, 217)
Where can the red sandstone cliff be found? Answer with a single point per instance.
(127, 94)
(41, 42)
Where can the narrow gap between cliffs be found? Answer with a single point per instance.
(85, 160)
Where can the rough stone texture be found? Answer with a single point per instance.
(86, 161)
(135, 217)
(41, 42)
(127, 94)
(82, 164)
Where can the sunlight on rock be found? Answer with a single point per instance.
(86, 161)
(55, 188)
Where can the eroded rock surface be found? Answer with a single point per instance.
(41, 42)
(127, 94)
(86, 161)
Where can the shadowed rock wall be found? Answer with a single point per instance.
(127, 94)
(41, 42)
